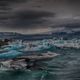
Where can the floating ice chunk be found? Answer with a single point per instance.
(14, 47)
(10, 54)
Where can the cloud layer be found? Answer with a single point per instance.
(26, 15)
(28, 19)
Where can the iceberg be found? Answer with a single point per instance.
(14, 47)
(11, 54)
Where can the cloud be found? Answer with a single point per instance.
(27, 19)
(28, 14)
(6, 2)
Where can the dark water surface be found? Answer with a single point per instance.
(66, 66)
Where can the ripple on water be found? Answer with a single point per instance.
(63, 67)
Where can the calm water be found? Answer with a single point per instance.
(66, 66)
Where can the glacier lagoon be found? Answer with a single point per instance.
(66, 66)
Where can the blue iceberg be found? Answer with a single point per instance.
(14, 47)
(11, 54)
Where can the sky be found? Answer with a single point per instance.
(39, 16)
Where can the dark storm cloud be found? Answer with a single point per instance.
(27, 19)
(74, 4)
(7, 2)
(73, 25)
(28, 14)
(23, 18)
(73, 1)
(6, 7)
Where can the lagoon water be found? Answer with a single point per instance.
(65, 66)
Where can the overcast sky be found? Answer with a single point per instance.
(37, 16)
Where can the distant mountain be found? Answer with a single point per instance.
(12, 35)
(62, 34)
(8, 35)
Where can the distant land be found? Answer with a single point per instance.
(14, 35)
